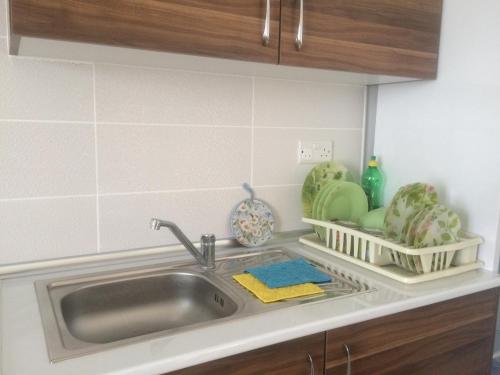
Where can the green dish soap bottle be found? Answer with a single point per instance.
(372, 182)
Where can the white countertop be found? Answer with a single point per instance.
(23, 350)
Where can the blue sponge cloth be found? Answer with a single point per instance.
(292, 272)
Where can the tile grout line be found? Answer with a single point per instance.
(227, 126)
(252, 134)
(48, 197)
(307, 128)
(96, 155)
(176, 125)
(159, 124)
(47, 121)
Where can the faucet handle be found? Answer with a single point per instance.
(207, 246)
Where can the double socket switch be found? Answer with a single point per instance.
(315, 151)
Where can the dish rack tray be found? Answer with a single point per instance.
(402, 263)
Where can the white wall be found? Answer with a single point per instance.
(447, 132)
(90, 152)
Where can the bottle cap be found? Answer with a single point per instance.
(373, 162)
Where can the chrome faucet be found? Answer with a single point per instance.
(205, 256)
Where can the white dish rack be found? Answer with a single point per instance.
(395, 260)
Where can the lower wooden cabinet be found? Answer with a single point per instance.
(296, 357)
(453, 337)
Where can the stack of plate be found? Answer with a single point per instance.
(415, 218)
(328, 196)
(317, 178)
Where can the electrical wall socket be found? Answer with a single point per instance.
(315, 151)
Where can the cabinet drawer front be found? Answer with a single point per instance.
(221, 28)
(439, 328)
(394, 37)
(288, 358)
(426, 355)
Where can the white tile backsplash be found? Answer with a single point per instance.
(125, 218)
(285, 203)
(307, 104)
(47, 228)
(152, 158)
(88, 146)
(139, 95)
(275, 153)
(46, 159)
(44, 90)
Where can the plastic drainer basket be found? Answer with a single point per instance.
(378, 251)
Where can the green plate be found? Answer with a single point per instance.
(347, 203)
(320, 199)
(317, 200)
(318, 177)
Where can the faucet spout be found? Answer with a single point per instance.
(206, 257)
(155, 224)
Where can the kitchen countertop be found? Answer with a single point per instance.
(23, 351)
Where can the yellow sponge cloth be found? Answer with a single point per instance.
(266, 294)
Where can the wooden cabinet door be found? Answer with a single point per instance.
(288, 358)
(220, 28)
(391, 37)
(448, 338)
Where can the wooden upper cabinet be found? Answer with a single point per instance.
(381, 37)
(219, 28)
(392, 37)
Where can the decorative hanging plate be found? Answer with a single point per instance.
(252, 222)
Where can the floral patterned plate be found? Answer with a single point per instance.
(438, 226)
(252, 222)
(407, 202)
(412, 227)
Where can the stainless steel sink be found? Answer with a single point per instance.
(90, 313)
(128, 308)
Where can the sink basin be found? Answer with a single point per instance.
(128, 308)
(89, 313)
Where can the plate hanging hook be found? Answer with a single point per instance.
(249, 189)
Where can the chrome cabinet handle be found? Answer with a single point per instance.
(311, 364)
(348, 353)
(267, 24)
(299, 39)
